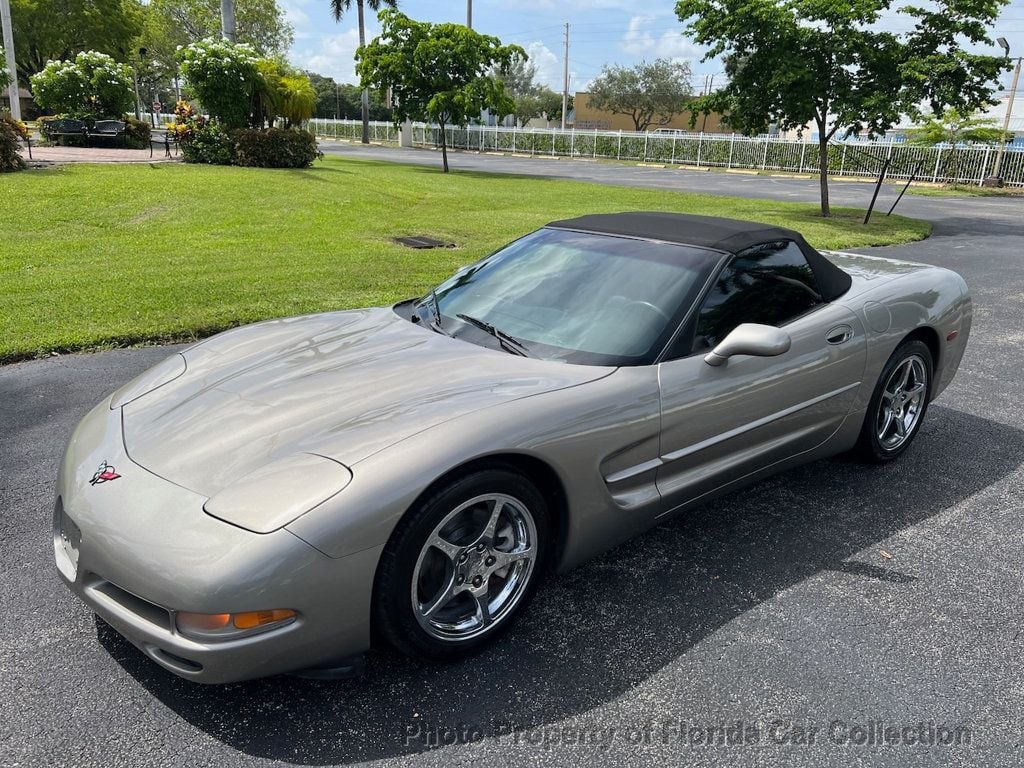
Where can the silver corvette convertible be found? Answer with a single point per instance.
(278, 497)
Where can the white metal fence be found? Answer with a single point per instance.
(966, 164)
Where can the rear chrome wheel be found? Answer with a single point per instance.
(898, 403)
(474, 567)
(461, 564)
(902, 403)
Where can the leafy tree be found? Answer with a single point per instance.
(525, 108)
(338, 7)
(57, 30)
(298, 99)
(328, 96)
(436, 71)
(91, 86)
(153, 55)
(828, 64)
(650, 94)
(282, 92)
(530, 97)
(224, 77)
(260, 23)
(542, 102)
(551, 104)
(954, 128)
(5, 76)
(342, 100)
(519, 77)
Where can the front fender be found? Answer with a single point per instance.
(582, 434)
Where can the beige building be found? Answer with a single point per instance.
(590, 119)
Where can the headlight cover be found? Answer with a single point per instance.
(277, 493)
(162, 373)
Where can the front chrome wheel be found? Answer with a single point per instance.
(902, 404)
(474, 567)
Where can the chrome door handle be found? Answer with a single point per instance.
(839, 334)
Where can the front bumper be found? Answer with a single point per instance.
(138, 548)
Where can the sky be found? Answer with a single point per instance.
(600, 32)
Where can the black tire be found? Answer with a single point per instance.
(870, 446)
(394, 618)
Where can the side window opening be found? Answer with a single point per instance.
(770, 284)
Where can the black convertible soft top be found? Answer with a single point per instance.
(728, 235)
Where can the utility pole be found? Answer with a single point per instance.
(12, 70)
(227, 20)
(469, 13)
(1006, 120)
(995, 180)
(565, 77)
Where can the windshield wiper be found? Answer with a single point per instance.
(437, 308)
(508, 343)
(435, 321)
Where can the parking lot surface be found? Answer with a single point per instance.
(802, 621)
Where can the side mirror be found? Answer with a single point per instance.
(750, 339)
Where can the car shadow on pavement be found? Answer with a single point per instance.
(595, 633)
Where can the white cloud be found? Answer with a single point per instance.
(297, 17)
(332, 55)
(549, 66)
(670, 44)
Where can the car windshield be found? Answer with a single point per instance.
(577, 297)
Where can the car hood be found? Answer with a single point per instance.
(341, 385)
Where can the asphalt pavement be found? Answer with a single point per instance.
(835, 615)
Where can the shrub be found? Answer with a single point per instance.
(274, 148)
(224, 78)
(136, 133)
(90, 87)
(207, 142)
(11, 132)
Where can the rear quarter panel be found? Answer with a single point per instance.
(930, 298)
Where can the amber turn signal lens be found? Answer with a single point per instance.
(254, 619)
(205, 622)
(225, 626)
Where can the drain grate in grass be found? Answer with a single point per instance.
(421, 241)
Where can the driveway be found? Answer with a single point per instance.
(790, 623)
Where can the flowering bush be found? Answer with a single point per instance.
(90, 87)
(224, 77)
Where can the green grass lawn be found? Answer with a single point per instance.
(92, 256)
(965, 190)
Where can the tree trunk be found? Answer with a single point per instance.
(227, 20)
(444, 147)
(823, 168)
(366, 91)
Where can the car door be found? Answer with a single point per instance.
(720, 423)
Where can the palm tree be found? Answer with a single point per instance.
(338, 7)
